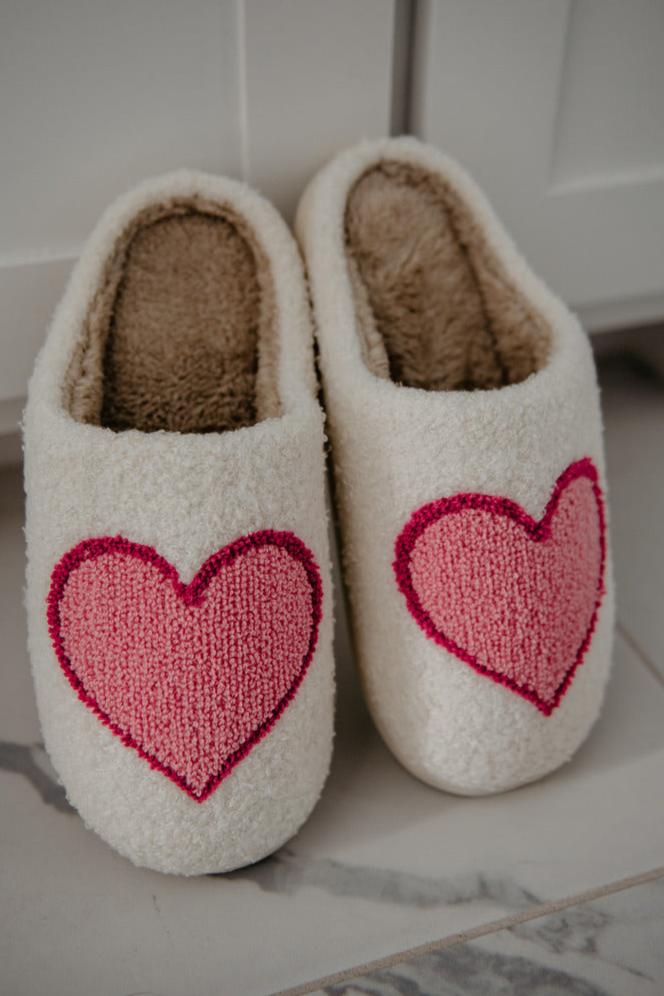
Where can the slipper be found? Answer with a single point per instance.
(467, 447)
(178, 590)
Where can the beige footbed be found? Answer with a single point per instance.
(180, 335)
(435, 308)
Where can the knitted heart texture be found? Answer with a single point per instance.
(515, 598)
(191, 676)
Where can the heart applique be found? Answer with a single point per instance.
(191, 676)
(515, 598)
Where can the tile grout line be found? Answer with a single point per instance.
(494, 926)
(643, 656)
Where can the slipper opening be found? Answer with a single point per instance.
(435, 307)
(180, 335)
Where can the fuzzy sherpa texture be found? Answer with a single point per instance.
(187, 496)
(450, 370)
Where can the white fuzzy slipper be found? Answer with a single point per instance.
(178, 581)
(467, 447)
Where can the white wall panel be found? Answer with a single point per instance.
(318, 77)
(96, 95)
(610, 123)
(28, 293)
(557, 108)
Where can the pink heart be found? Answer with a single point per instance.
(515, 598)
(193, 675)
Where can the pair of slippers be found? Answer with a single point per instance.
(179, 594)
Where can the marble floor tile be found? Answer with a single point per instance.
(611, 946)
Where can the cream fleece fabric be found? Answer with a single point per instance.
(186, 495)
(398, 447)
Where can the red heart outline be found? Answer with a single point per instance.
(192, 594)
(538, 531)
